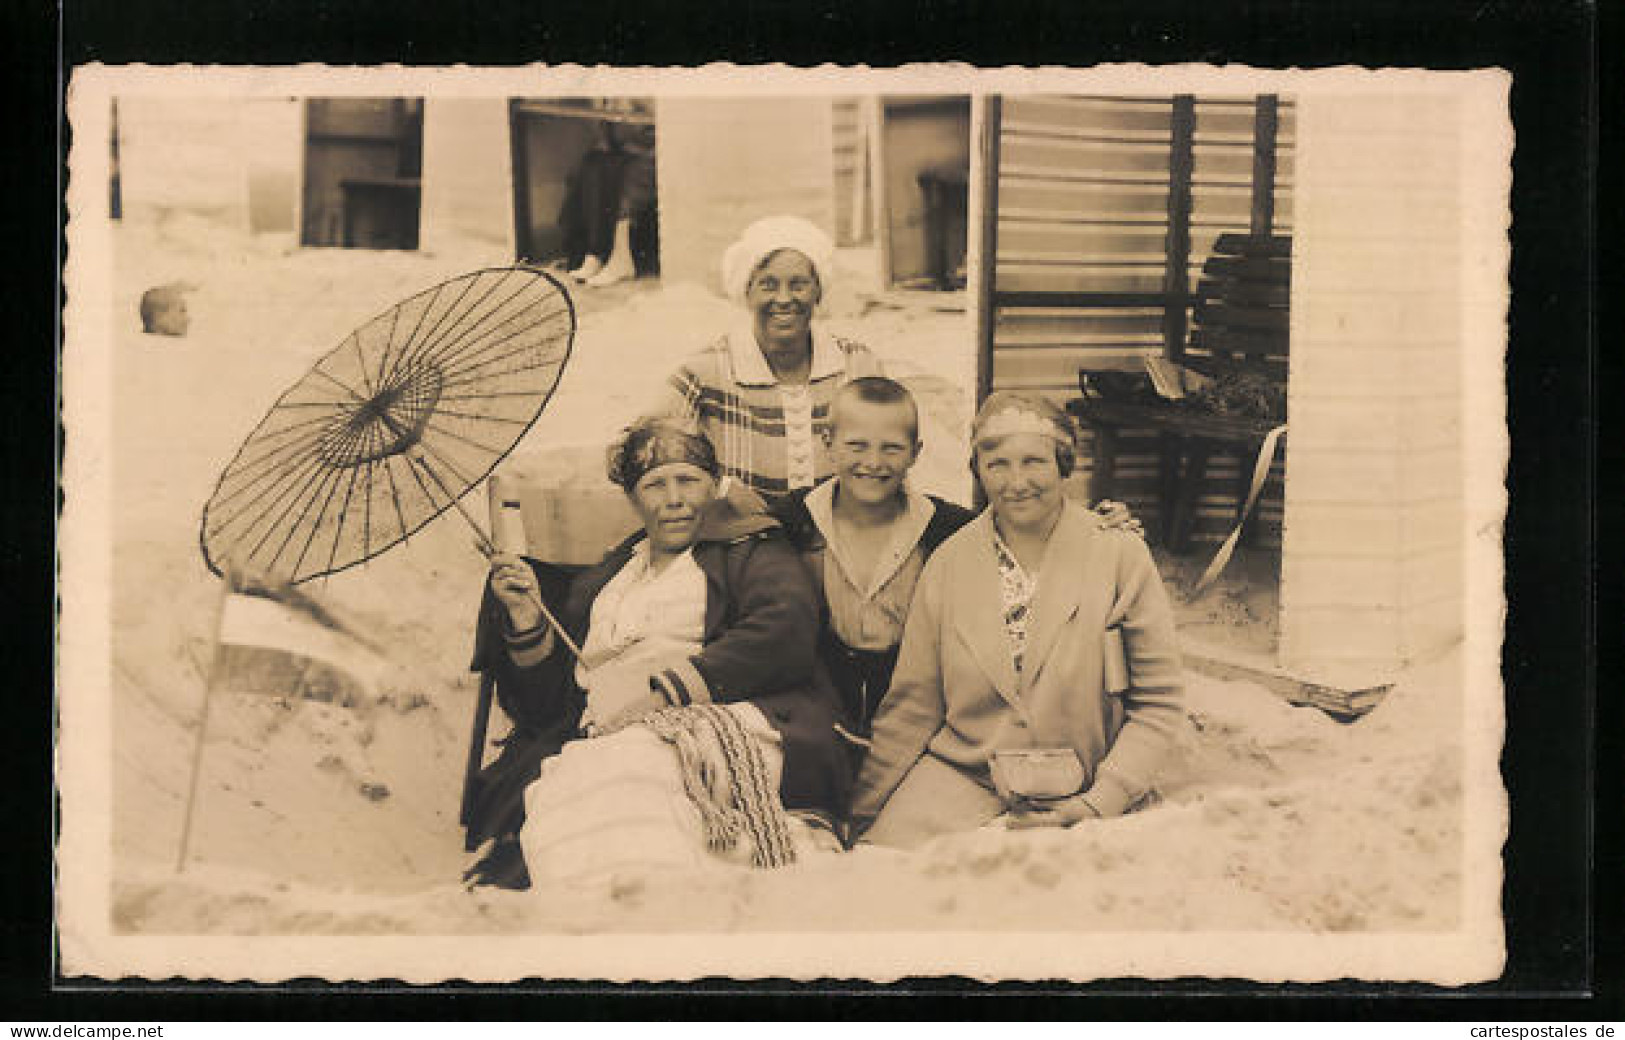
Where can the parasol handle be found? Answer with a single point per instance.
(488, 548)
(535, 598)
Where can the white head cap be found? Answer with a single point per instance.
(766, 237)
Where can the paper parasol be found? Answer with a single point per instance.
(392, 427)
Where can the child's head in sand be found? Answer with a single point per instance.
(163, 310)
(874, 437)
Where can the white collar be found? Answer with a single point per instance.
(750, 367)
(906, 533)
(639, 569)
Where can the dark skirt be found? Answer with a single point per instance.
(497, 809)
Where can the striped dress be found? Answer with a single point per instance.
(767, 435)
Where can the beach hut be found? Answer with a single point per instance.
(1106, 223)
(369, 173)
(1085, 254)
(429, 173)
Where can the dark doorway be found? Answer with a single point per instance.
(923, 148)
(363, 172)
(115, 188)
(580, 164)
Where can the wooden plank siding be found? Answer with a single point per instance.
(1376, 540)
(1083, 208)
(854, 221)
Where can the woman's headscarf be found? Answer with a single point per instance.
(653, 443)
(766, 237)
(1007, 412)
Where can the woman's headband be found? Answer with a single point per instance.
(1011, 421)
(656, 444)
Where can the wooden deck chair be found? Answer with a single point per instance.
(570, 515)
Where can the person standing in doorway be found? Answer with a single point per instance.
(611, 191)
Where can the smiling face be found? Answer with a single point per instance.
(781, 297)
(872, 447)
(668, 500)
(1022, 480)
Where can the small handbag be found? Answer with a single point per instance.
(1036, 774)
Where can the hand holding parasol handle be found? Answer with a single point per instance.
(503, 501)
(508, 527)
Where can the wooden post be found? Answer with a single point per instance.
(227, 587)
(476, 747)
(881, 204)
(1266, 122)
(115, 186)
(523, 247)
(1176, 268)
(986, 286)
(858, 215)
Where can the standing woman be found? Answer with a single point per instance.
(1003, 698)
(762, 392)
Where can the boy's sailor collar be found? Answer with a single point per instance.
(750, 367)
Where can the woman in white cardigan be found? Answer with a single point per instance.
(1008, 694)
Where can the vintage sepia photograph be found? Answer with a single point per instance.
(849, 524)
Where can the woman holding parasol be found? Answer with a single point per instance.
(707, 723)
(392, 427)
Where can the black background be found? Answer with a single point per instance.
(1555, 376)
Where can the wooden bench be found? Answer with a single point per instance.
(1240, 326)
(1239, 310)
(1187, 442)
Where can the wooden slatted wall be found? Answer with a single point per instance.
(853, 219)
(1083, 208)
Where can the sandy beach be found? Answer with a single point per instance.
(341, 819)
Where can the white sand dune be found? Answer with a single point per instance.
(322, 818)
